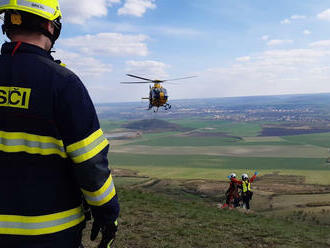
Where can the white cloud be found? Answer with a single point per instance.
(149, 68)
(321, 43)
(296, 17)
(307, 32)
(136, 7)
(293, 17)
(279, 42)
(243, 59)
(83, 65)
(286, 21)
(265, 37)
(325, 15)
(107, 44)
(78, 13)
(268, 73)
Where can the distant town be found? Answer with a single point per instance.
(313, 109)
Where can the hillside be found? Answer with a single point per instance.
(154, 125)
(168, 217)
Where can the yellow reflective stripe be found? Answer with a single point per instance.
(101, 190)
(39, 219)
(84, 142)
(91, 153)
(49, 230)
(105, 200)
(30, 137)
(88, 147)
(32, 150)
(38, 225)
(31, 143)
(37, 6)
(101, 196)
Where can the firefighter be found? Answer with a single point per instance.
(52, 150)
(245, 185)
(232, 196)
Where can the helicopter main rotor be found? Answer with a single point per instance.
(148, 81)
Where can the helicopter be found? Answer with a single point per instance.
(158, 96)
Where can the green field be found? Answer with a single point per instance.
(318, 139)
(218, 162)
(186, 141)
(175, 140)
(231, 128)
(108, 126)
(218, 168)
(183, 155)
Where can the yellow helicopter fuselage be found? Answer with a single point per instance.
(158, 95)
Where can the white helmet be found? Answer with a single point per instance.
(232, 175)
(245, 176)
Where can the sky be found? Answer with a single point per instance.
(235, 48)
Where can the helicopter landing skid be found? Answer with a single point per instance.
(155, 109)
(167, 106)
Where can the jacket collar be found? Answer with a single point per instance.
(8, 48)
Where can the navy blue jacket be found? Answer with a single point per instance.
(52, 150)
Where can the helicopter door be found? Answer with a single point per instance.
(156, 93)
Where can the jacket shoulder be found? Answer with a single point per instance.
(59, 68)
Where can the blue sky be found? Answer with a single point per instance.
(236, 48)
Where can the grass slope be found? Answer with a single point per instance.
(152, 220)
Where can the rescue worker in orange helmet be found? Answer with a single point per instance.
(245, 184)
(232, 196)
(53, 153)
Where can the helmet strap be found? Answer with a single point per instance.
(11, 23)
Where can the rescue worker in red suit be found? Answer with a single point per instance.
(232, 195)
(245, 185)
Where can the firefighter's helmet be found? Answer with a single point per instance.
(232, 175)
(18, 15)
(48, 9)
(245, 176)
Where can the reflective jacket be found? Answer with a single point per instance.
(246, 186)
(52, 150)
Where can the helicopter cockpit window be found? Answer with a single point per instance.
(165, 91)
(156, 93)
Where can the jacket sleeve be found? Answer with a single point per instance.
(253, 178)
(236, 181)
(86, 146)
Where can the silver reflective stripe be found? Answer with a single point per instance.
(88, 148)
(32, 144)
(38, 6)
(46, 224)
(3, 2)
(100, 197)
